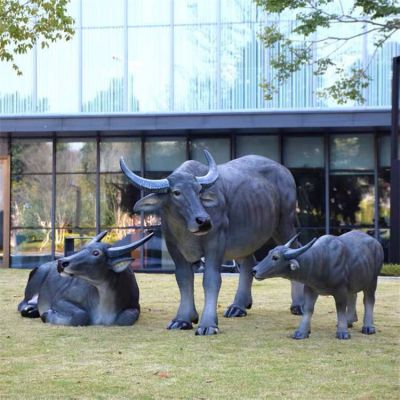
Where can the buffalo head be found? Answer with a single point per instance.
(181, 193)
(95, 260)
(280, 260)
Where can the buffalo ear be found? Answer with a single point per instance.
(120, 264)
(209, 199)
(151, 202)
(294, 265)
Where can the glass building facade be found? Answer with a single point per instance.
(69, 184)
(174, 56)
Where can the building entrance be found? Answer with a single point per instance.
(4, 211)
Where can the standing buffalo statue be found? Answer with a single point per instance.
(339, 266)
(91, 287)
(220, 213)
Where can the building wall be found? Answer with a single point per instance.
(173, 55)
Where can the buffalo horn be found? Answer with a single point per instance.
(154, 185)
(291, 241)
(294, 253)
(212, 174)
(119, 251)
(97, 238)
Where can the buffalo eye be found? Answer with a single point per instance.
(95, 253)
(275, 257)
(176, 193)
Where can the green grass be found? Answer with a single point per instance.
(391, 270)
(252, 357)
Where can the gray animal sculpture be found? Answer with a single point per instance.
(91, 287)
(339, 266)
(220, 213)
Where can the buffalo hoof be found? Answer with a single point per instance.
(234, 311)
(180, 324)
(343, 335)
(30, 312)
(368, 330)
(296, 310)
(299, 335)
(206, 331)
(44, 316)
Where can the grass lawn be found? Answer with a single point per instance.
(252, 357)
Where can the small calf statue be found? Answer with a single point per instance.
(91, 287)
(339, 266)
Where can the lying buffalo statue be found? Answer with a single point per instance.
(91, 287)
(220, 213)
(339, 266)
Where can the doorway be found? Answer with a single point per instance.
(4, 211)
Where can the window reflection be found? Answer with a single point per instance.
(220, 149)
(304, 152)
(33, 156)
(310, 197)
(266, 146)
(112, 150)
(384, 198)
(351, 200)
(81, 237)
(352, 152)
(164, 154)
(31, 201)
(76, 156)
(76, 201)
(117, 198)
(30, 247)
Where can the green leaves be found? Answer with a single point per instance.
(318, 37)
(25, 24)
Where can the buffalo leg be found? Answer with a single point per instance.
(369, 302)
(211, 284)
(341, 305)
(243, 297)
(184, 275)
(66, 313)
(127, 317)
(351, 309)
(310, 297)
(282, 235)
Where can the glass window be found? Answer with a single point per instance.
(111, 150)
(220, 149)
(76, 201)
(31, 156)
(31, 201)
(352, 152)
(117, 198)
(195, 68)
(17, 91)
(149, 69)
(76, 156)
(81, 238)
(58, 77)
(304, 152)
(267, 146)
(242, 67)
(164, 154)
(195, 11)
(102, 70)
(384, 198)
(102, 13)
(351, 199)
(385, 151)
(30, 247)
(141, 12)
(310, 197)
(156, 255)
